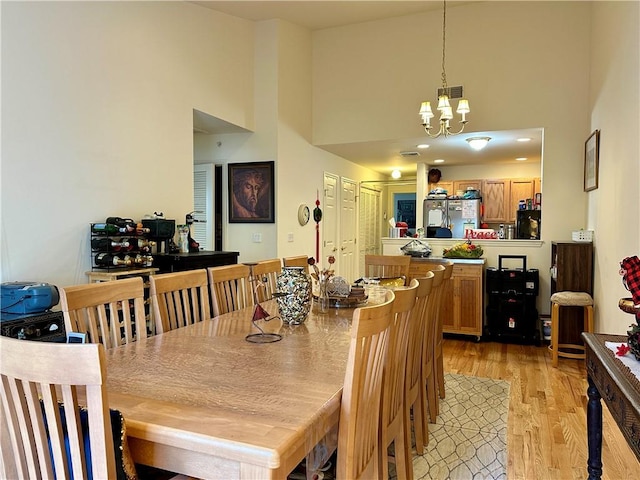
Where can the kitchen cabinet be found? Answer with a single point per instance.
(495, 194)
(179, 262)
(462, 299)
(466, 184)
(448, 186)
(500, 197)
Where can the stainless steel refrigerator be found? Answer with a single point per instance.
(463, 214)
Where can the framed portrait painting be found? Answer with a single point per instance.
(251, 192)
(591, 161)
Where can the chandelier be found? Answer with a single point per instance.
(444, 107)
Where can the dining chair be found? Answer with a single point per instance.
(428, 356)
(266, 274)
(438, 361)
(392, 419)
(111, 313)
(415, 392)
(387, 266)
(179, 299)
(39, 387)
(299, 261)
(358, 428)
(230, 288)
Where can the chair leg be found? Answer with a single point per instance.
(419, 425)
(555, 318)
(407, 442)
(400, 450)
(588, 317)
(440, 374)
(432, 398)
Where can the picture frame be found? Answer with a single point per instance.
(251, 192)
(591, 161)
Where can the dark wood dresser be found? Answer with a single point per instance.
(178, 262)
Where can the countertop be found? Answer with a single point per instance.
(475, 261)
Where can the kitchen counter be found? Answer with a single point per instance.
(433, 259)
(538, 253)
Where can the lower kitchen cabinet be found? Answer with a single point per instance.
(462, 299)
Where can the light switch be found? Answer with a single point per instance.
(257, 238)
(290, 237)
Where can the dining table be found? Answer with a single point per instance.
(203, 401)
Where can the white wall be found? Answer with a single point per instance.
(97, 101)
(614, 208)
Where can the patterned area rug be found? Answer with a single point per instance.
(469, 439)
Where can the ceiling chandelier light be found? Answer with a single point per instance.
(478, 143)
(444, 107)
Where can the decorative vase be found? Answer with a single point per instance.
(294, 294)
(323, 297)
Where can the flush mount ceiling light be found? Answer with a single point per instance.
(521, 159)
(422, 145)
(478, 143)
(438, 160)
(396, 173)
(523, 139)
(444, 94)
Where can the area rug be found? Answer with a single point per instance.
(469, 438)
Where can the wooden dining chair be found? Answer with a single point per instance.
(415, 392)
(111, 313)
(45, 436)
(298, 261)
(387, 266)
(438, 361)
(358, 440)
(265, 273)
(392, 419)
(428, 356)
(179, 299)
(230, 288)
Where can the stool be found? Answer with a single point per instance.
(569, 299)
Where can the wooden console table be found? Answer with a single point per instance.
(610, 379)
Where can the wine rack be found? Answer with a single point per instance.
(113, 248)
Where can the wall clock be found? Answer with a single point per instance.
(303, 214)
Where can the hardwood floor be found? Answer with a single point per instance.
(547, 431)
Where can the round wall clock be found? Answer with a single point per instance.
(303, 214)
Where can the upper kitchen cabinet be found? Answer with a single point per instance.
(465, 185)
(501, 197)
(495, 198)
(448, 186)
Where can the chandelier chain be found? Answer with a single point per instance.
(444, 36)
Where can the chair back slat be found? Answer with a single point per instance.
(230, 288)
(387, 266)
(265, 275)
(60, 371)
(179, 299)
(111, 313)
(361, 397)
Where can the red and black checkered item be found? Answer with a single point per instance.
(630, 271)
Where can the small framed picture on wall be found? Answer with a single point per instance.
(591, 161)
(251, 192)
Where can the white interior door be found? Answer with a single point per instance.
(203, 195)
(330, 219)
(369, 207)
(348, 229)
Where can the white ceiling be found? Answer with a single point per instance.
(382, 156)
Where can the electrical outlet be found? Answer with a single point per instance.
(290, 237)
(257, 238)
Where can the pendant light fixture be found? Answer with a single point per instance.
(444, 94)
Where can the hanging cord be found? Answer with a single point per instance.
(444, 29)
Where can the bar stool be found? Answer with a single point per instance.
(569, 299)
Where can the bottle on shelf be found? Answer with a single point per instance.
(139, 260)
(109, 260)
(141, 244)
(102, 243)
(107, 228)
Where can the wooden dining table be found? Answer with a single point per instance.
(203, 401)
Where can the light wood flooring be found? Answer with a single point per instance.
(547, 431)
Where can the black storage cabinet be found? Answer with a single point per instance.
(511, 310)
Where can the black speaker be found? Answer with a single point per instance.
(493, 280)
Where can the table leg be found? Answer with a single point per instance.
(594, 431)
